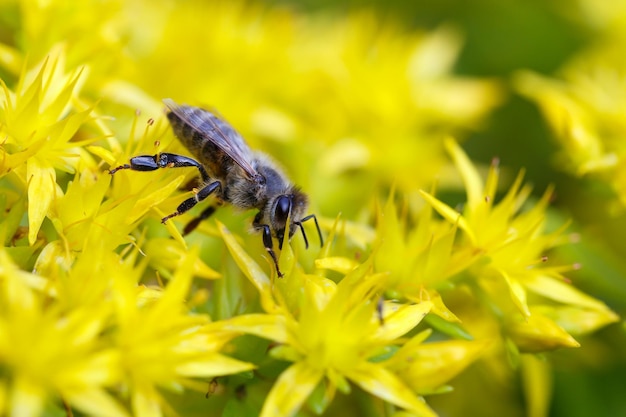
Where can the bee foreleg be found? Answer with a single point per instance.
(189, 203)
(162, 160)
(269, 245)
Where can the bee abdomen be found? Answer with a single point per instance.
(192, 137)
(194, 130)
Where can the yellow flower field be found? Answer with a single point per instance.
(452, 278)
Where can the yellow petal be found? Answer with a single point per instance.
(41, 191)
(62, 97)
(537, 382)
(287, 259)
(26, 398)
(575, 320)
(471, 178)
(11, 58)
(145, 402)
(560, 291)
(440, 309)
(320, 290)
(178, 287)
(427, 366)
(336, 263)
(539, 333)
(360, 234)
(142, 205)
(400, 319)
(291, 390)
(267, 326)
(517, 292)
(391, 248)
(336, 379)
(449, 214)
(214, 365)
(380, 382)
(104, 154)
(250, 269)
(95, 402)
(8, 268)
(165, 255)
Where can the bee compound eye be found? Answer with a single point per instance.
(283, 207)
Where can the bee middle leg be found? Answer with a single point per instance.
(189, 203)
(191, 226)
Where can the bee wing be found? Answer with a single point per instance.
(219, 132)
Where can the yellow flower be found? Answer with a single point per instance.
(49, 353)
(38, 135)
(420, 260)
(426, 367)
(162, 345)
(84, 340)
(585, 108)
(333, 334)
(511, 247)
(579, 123)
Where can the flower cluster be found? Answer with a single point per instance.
(106, 311)
(505, 254)
(584, 103)
(79, 322)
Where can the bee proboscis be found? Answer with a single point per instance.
(232, 173)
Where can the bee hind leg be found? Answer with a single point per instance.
(191, 226)
(189, 203)
(162, 160)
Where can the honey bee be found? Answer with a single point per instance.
(232, 173)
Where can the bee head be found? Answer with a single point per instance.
(287, 206)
